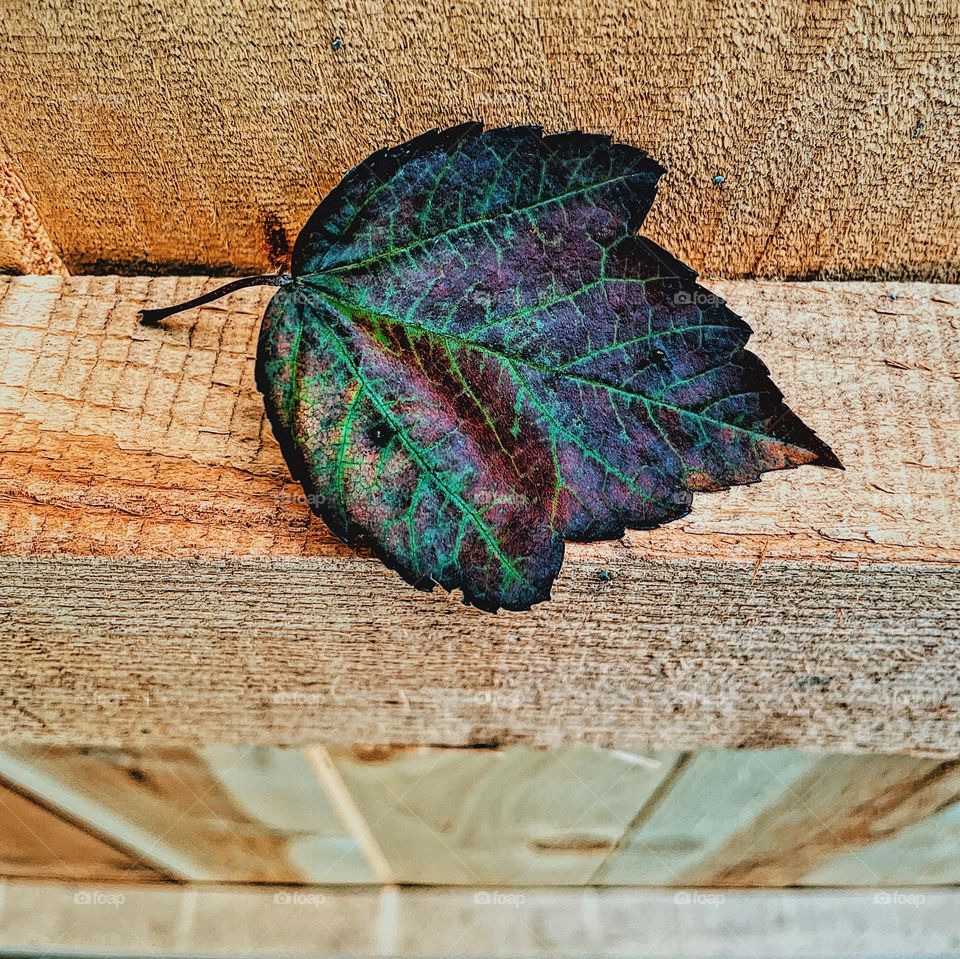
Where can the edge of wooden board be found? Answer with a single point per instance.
(672, 654)
(85, 920)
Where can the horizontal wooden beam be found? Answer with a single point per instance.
(815, 138)
(200, 602)
(670, 653)
(577, 816)
(118, 920)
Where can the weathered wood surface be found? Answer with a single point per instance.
(501, 817)
(224, 814)
(478, 922)
(513, 817)
(24, 244)
(38, 843)
(335, 650)
(202, 603)
(149, 136)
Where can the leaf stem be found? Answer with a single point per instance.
(155, 317)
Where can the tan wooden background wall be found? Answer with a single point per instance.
(151, 136)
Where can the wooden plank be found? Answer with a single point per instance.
(145, 453)
(119, 441)
(480, 922)
(785, 818)
(677, 653)
(717, 796)
(497, 818)
(922, 852)
(36, 843)
(840, 806)
(500, 817)
(213, 149)
(227, 814)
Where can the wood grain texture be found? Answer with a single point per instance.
(204, 605)
(779, 818)
(37, 843)
(223, 814)
(500, 817)
(841, 806)
(117, 440)
(25, 246)
(478, 922)
(152, 136)
(718, 795)
(921, 852)
(670, 654)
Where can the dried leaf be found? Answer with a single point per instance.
(477, 359)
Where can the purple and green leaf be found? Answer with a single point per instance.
(477, 359)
